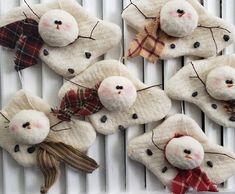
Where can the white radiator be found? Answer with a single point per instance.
(117, 173)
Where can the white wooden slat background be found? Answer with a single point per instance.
(117, 172)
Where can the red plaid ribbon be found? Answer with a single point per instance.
(84, 102)
(24, 37)
(196, 178)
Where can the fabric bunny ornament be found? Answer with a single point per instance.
(33, 136)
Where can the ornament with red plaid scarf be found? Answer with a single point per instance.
(186, 154)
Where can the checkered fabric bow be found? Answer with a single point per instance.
(230, 106)
(82, 102)
(148, 43)
(24, 37)
(196, 179)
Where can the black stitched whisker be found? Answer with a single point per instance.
(149, 87)
(197, 74)
(25, 15)
(126, 7)
(59, 130)
(56, 124)
(155, 143)
(216, 153)
(212, 27)
(31, 9)
(142, 13)
(78, 84)
(8, 121)
(212, 34)
(90, 37)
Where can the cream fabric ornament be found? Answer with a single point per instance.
(58, 28)
(181, 134)
(68, 58)
(172, 28)
(29, 127)
(117, 93)
(78, 134)
(151, 103)
(210, 85)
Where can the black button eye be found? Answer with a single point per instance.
(229, 81)
(58, 22)
(71, 71)
(187, 151)
(180, 11)
(119, 87)
(26, 124)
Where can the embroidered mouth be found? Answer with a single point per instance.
(188, 157)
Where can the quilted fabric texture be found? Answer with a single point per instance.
(80, 135)
(149, 149)
(212, 93)
(211, 35)
(95, 38)
(151, 104)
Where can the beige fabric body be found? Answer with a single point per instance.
(106, 35)
(181, 87)
(183, 46)
(223, 165)
(151, 105)
(81, 135)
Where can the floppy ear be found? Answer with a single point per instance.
(210, 36)
(152, 104)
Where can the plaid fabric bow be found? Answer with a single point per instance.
(24, 37)
(230, 106)
(195, 178)
(148, 43)
(84, 102)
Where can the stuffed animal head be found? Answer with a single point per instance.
(220, 83)
(184, 153)
(29, 127)
(178, 18)
(117, 93)
(58, 28)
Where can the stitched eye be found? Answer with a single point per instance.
(229, 81)
(187, 151)
(119, 87)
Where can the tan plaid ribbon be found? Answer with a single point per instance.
(148, 43)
